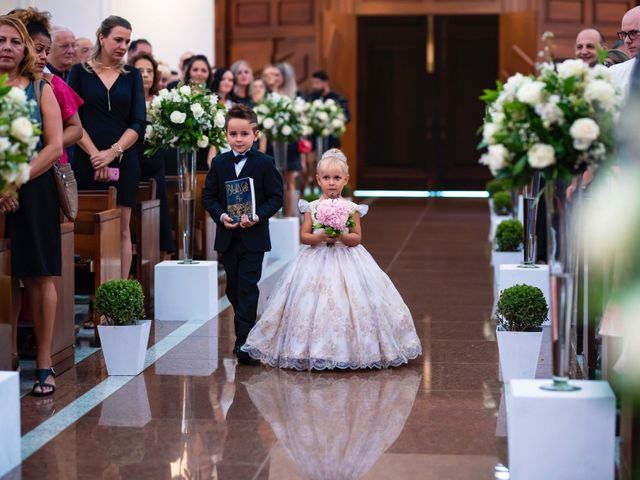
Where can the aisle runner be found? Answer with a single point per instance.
(50, 428)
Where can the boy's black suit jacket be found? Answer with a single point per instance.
(267, 184)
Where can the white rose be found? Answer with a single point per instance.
(197, 110)
(10, 176)
(307, 130)
(496, 158)
(219, 120)
(4, 144)
(602, 92)
(541, 155)
(268, 123)
(531, 93)
(317, 103)
(157, 100)
(550, 113)
(23, 173)
(185, 90)
(323, 116)
(17, 96)
(488, 132)
(177, 117)
(600, 72)
(498, 118)
(584, 131)
(572, 68)
(325, 132)
(335, 123)
(149, 133)
(514, 83)
(164, 93)
(203, 142)
(286, 130)
(22, 129)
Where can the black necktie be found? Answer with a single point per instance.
(238, 158)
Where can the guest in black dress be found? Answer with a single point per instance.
(33, 218)
(153, 166)
(113, 117)
(243, 77)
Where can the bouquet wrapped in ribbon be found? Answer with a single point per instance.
(18, 136)
(186, 118)
(334, 216)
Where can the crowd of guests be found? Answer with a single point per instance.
(92, 106)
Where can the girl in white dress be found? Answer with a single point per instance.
(335, 308)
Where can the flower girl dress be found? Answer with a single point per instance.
(335, 308)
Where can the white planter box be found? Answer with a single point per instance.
(124, 347)
(10, 454)
(513, 274)
(285, 237)
(561, 435)
(186, 291)
(519, 353)
(502, 258)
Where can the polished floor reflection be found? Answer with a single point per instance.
(195, 414)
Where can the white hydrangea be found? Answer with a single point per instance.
(496, 158)
(584, 131)
(514, 83)
(488, 133)
(602, 92)
(185, 90)
(599, 72)
(550, 113)
(573, 68)
(17, 95)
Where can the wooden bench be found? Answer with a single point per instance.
(97, 235)
(145, 235)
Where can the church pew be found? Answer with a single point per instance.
(97, 228)
(145, 233)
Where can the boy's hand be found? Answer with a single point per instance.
(228, 222)
(246, 223)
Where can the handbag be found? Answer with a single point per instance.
(63, 174)
(67, 189)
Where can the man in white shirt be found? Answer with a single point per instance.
(630, 34)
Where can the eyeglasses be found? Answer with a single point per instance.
(632, 34)
(66, 46)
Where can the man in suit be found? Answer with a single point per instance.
(630, 33)
(63, 52)
(242, 244)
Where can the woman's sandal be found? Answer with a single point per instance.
(41, 377)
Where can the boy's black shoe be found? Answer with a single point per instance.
(246, 359)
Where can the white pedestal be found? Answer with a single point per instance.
(10, 454)
(561, 435)
(500, 258)
(512, 274)
(186, 291)
(285, 237)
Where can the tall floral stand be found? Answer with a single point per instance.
(562, 261)
(186, 201)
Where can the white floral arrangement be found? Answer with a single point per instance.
(326, 117)
(186, 118)
(560, 122)
(19, 136)
(280, 118)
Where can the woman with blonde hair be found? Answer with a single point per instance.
(243, 75)
(33, 218)
(113, 117)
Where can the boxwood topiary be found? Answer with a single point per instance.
(121, 302)
(521, 308)
(497, 185)
(509, 236)
(502, 203)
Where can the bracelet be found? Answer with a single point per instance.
(116, 148)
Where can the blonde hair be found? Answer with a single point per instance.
(333, 158)
(28, 62)
(107, 25)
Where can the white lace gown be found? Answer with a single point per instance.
(335, 308)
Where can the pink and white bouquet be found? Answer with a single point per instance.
(334, 216)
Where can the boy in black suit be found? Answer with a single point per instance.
(242, 245)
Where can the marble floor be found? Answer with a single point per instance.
(194, 413)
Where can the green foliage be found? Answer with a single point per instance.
(346, 190)
(509, 236)
(121, 302)
(521, 308)
(497, 185)
(310, 197)
(502, 203)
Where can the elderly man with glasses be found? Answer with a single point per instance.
(630, 34)
(63, 52)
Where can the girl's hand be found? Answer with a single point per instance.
(102, 158)
(324, 238)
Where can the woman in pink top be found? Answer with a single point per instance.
(38, 26)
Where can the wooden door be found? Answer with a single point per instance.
(418, 107)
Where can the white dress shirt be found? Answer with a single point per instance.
(621, 76)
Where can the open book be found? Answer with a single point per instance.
(241, 198)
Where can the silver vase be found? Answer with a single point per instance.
(530, 199)
(562, 261)
(187, 200)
